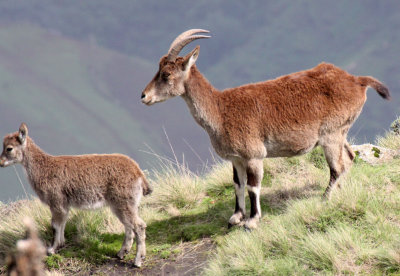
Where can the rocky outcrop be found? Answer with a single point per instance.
(375, 155)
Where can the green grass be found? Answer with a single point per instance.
(355, 232)
(94, 237)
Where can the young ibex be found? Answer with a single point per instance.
(284, 117)
(83, 181)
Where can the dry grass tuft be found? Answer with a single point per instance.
(390, 141)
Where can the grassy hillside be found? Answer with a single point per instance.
(356, 232)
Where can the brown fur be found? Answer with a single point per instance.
(84, 181)
(284, 117)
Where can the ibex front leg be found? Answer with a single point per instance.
(58, 221)
(239, 180)
(254, 172)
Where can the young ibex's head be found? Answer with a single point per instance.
(173, 70)
(13, 147)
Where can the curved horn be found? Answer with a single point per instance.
(182, 40)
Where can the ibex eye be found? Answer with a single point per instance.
(9, 149)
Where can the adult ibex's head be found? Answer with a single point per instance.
(13, 147)
(173, 70)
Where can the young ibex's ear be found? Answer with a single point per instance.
(190, 58)
(23, 133)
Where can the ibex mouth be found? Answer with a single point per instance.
(147, 101)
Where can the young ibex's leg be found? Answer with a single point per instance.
(58, 221)
(134, 226)
(336, 151)
(239, 180)
(125, 215)
(254, 172)
(128, 241)
(140, 231)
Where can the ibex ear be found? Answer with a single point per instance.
(23, 133)
(190, 58)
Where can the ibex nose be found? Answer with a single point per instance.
(143, 95)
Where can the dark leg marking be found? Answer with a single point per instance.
(236, 180)
(334, 176)
(235, 176)
(238, 209)
(251, 178)
(349, 152)
(252, 182)
(253, 204)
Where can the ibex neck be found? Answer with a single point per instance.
(202, 100)
(35, 161)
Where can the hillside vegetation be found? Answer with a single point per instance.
(356, 232)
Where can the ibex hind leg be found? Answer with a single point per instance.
(349, 151)
(140, 231)
(348, 158)
(125, 215)
(127, 243)
(338, 154)
(134, 227)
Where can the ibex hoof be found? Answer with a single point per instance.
(235, 219)
(121, 254)
(138, 262)
(247, 229)
(251, 223)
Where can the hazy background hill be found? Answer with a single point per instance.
(74, 70)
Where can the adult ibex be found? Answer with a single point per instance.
(83, 181)
(287, 116)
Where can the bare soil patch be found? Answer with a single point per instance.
(190, 261)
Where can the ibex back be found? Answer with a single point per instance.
(286, 116)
